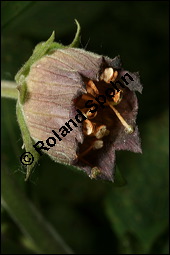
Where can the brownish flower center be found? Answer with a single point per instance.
(99, 123)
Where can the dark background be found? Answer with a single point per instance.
(95, 216)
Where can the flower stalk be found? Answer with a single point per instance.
(9, 89)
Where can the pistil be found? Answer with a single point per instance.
(128, 128)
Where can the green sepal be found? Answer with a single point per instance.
(40, 50)
(75, 43)
(28, 142)
(22, 92)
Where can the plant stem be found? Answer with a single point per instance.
(29, 219)
(9, 89)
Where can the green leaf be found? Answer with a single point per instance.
(10, 247)
(138, 212)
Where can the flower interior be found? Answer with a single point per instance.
(98, 126)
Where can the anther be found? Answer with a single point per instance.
(101, 131)
(107, 75)
(98, 144)
(117, 97)
(88, 113)
(115, 74)
(88, 127)
(91, 88)
(91, 115)
(95, 171)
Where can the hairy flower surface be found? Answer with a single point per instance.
(62, 82)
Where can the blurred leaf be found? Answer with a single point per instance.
(119, 178)
(11, 247)
(73, 203)
(139, 211)
(47, 16)
(161, 244)
(13, 57)
(11, 9)
(165, 249)
(29, 219)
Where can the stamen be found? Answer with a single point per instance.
(88, 113)
(95, 171)
(91, 128)
(91, 115)
(128, 128)
(115, 74)
(101, 131)
(107, 74)
(97, 144)
(91, 88)
(117, 97)
(88, 127)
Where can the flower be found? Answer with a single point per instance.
(61, 82)
(78, 107)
